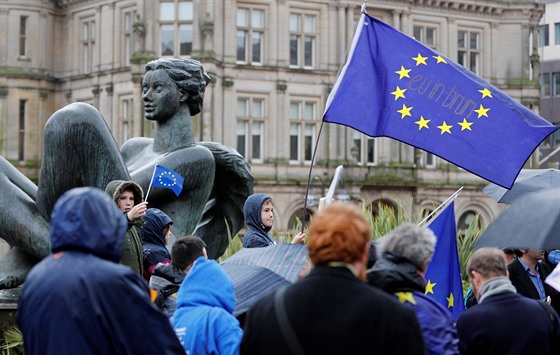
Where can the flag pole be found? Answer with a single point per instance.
(151, 181)
(440, 207)
(309, 177)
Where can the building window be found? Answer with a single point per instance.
(127, 48)
(557, 33)
(88, 45)
(176, 28)
(250, 36)
(556, 84)
(426, 35)
(364, 149)
(545, 84)
(468, 45)
(303, 32)
(21, 131)
(465, 222)
(126, 118)
(543, 35)
(430, 160)
(302, 130)
(250, 128)
(23, 36)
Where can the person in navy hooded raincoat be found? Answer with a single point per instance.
(155, 236)
(79, 300)
(259, 216)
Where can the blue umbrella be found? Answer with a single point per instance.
(251, 283)
(256, 272)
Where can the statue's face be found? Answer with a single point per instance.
(162, 98)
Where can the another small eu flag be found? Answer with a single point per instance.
(443, 277)
(394, 86)
(167, 178)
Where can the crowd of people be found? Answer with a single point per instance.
(80, 300)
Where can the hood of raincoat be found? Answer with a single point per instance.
(206, 284)
(116, 187)
(252, 212)
(155, 222)
(86, 219)
(393, 273)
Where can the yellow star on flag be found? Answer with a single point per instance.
(430, 287)
(485, 93)
(405, 111)
(420, 60)
(445, 128)
(482, 111)
(422, 123)
(403, 73)
(465, 125)
(405, 297)
(450, 300)
(399, 93)
(439, 59)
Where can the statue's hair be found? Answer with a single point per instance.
(339, 232)
(416, 244)
(188, 75)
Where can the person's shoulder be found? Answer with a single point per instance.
(253, 240)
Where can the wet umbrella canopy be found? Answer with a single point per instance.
(256, 272)
(532, 221)
(528, 180)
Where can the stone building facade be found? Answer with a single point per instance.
(549, 75)
(273, 64)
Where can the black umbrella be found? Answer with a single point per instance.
(532, 221)
(528, 180)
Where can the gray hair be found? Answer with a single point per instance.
(489, 262)
(409, 241)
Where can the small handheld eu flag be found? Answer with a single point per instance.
(166, 178)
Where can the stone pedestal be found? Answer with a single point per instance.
(8, 307)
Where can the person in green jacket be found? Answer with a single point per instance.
(128, 196)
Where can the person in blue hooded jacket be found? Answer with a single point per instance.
(405, 255)
(79, 300)
(155, 236)
(259, 217)
(204, 321)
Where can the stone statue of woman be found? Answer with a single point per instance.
(81, 151)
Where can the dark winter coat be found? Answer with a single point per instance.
(79, 300)
(399, 277)
(507, 323)
(165, 280)
(332, 312)
(132, 253)
(525, 286)
(257, 234)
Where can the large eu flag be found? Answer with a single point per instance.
(394, 86)
(167, 178)
(443, 277)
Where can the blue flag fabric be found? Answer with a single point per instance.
(167, 178)
(443, 277)
(394, 86)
